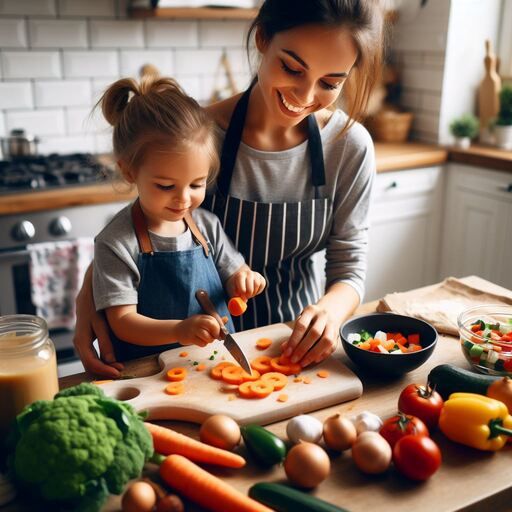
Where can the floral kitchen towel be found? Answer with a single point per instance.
(56, 273)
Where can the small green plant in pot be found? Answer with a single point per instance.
(464, 129)
(503, 124)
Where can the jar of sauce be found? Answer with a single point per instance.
(28, 365)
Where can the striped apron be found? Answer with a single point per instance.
(276, 239)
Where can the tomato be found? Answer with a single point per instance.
(416, 457)
(401, 425)
(422, 402)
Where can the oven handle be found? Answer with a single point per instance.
(14, 256)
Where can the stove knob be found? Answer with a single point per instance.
(23, 231)
(60, 226)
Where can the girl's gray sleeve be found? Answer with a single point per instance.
(347, 245)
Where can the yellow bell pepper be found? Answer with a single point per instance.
(476, 420)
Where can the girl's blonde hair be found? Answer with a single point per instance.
(154, 114)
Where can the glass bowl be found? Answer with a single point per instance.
(486, 338)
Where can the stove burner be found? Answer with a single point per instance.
(41, 172)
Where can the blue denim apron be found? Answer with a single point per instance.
(168, 282)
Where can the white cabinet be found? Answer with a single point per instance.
(405, 231)
(477, 237)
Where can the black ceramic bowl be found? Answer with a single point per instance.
(389, 364)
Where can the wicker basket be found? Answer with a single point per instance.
(390, 126)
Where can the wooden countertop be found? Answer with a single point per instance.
(483, 156)
(467, 480)
(410, 155)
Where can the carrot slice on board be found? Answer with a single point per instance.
(245, 391)
(216, 371)
(200, 367)
(248, 377)
(175, 388)
(283, 397)
(297, 379)
(237, 306)
(278, 380)
(233, 374)
(262, 364)
(323, 374)
(261, 389)
(306, 380)
(263, 343)
(183, 354)
(176, 374)
(283, 365)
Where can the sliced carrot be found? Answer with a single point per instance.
(278, 380)
(216, 371)
(365, 345)
(231, 397)
(262, 364)
(205, 489)
(251, 377)
(297, 379)
(414, 338)
(282, 397)
(323, 374)
(306, 380)
(100, 382)
(283, 365)
(175, 388)
(388, 345)
(176, 374)
(233, 374)
(167, 441)
(237, 306)
(200, 367)
(245, 390)
(261, 389)
(263, 343)
(183, 354)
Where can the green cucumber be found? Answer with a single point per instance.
(282, 498)
(448, 379)
(263, 445)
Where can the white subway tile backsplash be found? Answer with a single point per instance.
(172, 34)
(117, 34)
(431, 102)
(87, 8)
(33, 64)
(423, 79)
(99, 86)
(16, 95)
(82, 64)
(37, 122)
(85, 120)
(67, 145)
(191, 85)
(63, 93)
(434, 59)
(420, 40)
(222, 33)
(411, 100)
(238, 60)
(13, 33)
(426, 122)
(103, 143)
(58, 33)
(209, 83)
(28, 7)
(3, 132)
(132, 61)
(193, 62)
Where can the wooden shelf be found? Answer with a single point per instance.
(205, 13)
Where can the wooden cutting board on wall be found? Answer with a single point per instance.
(489, 89)
(205, 396)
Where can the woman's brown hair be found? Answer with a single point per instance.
(153, 114)
(364, 19)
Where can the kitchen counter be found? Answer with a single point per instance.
(468, 479)
(483, 156)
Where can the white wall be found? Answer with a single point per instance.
(57, 57)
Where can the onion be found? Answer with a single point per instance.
(371, 453)
(139, 497)
(339, 433)
(502, 390)
(306, 465)
(220, 431)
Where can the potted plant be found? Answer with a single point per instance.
(503, 124)
(464, 129)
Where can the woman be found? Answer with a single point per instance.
(295, 175)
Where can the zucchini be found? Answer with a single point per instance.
(263, 445)
(448, 379)
(282, 498)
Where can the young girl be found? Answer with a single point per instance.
(153, 256)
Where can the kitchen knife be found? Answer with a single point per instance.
(229, 342)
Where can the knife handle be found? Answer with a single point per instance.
(204, 300)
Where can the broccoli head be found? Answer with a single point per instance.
(78, 447)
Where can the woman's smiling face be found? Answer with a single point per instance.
(303, 69)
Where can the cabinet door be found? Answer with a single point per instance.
(477, 238)
(404, 232)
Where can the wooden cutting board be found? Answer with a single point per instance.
(489, 89)
(205, 396)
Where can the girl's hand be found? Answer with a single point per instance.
(245, 284)
(314, 337)
(197, 330)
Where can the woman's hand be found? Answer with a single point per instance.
(91, 325)
(245, 284)
(314, 337)
(197, 330)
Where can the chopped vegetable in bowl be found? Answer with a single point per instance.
(385, 342)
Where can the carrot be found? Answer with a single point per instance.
(175, 388)
(245, 390)
(278, 380)
(261, 389)
(216, 371)
(262, 364)
(251, 377)
(323, 374)
(414, 338)
(176, 374)
(263, 343)
(284, 365)
(233, 374)
(237, 306)
(307, 380)
(297, 379)
(167, 441)
(183, 354)
(282, 398)
(200, 367)
(204, 488)
(100, 382)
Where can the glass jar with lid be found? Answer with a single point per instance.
(28, 365)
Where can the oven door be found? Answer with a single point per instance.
(15, 298)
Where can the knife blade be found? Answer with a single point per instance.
(229, 342)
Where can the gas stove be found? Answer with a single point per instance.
(51, 171)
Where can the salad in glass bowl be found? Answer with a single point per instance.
(486, 338)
